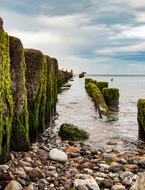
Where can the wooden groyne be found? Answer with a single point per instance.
(29, 81)
(106, 99)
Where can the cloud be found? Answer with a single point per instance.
(92, 35)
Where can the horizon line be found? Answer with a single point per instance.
(112, 74)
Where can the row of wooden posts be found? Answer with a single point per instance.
(29, 82)
(107, 99)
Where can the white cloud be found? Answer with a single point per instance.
(85, 38)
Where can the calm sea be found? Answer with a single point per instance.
(74, 106)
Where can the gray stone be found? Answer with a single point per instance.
(116, 168)
(21, 173)
(140, 182)
(13, 185)
(118, 187)
(58, 155)
(86, 180)
(82, 187)
(23, 163)
(126, 174)
(4, 167)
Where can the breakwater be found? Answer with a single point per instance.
(29, 81)
(106, 99)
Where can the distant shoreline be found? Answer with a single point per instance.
(118, 75)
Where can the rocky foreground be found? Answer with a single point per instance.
(53, 164)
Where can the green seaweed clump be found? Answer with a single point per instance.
(6, 100)
(71, 132)
(141, 118)
(102, 84)
(95, 93)
(111, 96)
(87, 80)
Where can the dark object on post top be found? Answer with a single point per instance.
(81, 75)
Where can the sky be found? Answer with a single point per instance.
(96, 36)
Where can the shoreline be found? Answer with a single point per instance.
(35, 170)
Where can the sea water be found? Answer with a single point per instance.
(76, 107)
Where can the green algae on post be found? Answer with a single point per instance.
(111, 96)
(20, 126)
(36, 68)
(6, 100)
(95, 93)
(141, 118)
(87, 80)
(51, 90)
(102, 84)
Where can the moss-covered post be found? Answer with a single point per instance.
(6, 100)
(36, 69)
(49, 92)
(102, 84)
(95, 93)
(111, 96)
(20, 128)
(87, 80)
(55, 78)
(141, 118)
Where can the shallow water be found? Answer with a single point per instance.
(74, 106)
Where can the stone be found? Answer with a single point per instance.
(67, 185)
(6, 176)
(13, 185)
(58, 155)
(118, 187)
(30, 187)
(122, 161)
(28, 159)
(36, 172)
(21, 172)
(132, 167)
(86, 180)
(44, 181)
(108, 183)
(27, 168)
(4, 167)
(100, 181)
(140, 182)
(127, 181)
(109, 157)
(23, 163)
(72, 149)
(123, 175)
(116, 168)
(52, 173)
(142, 164)
(43, 154)
(82, 187)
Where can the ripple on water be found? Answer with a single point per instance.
(74, 106)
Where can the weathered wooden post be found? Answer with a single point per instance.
(20, 126)
(111, 96)
(6, 100)
(36, 71)
(141, 118)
